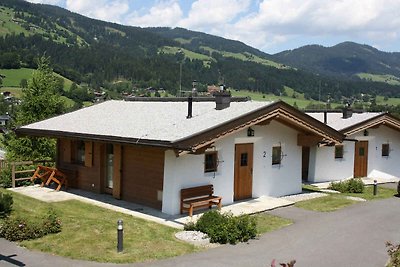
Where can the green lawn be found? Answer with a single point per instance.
(382, 193)
(300, 101)
(14, 76)
(188, 54)
(268, 223)
(16, 91)
(331, 202)
(334, 202)
(386, 78)
(89, 233)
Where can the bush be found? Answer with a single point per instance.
(394, 254)
(19, 229)
(225, 228)
(354, 185)
(6, 202)
(5, 177)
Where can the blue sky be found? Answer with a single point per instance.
(269, 25)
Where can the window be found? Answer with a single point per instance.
(385, 150)
(276, 155)
(78, 152)
(339, 151)
(243, 159)
(211, 162)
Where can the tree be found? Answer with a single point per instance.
(39, 102)
(23, 83)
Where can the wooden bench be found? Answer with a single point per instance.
(48, 175)
(199, 197)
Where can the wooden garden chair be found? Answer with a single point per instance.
(43, 173)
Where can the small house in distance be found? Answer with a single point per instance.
(146, 151)
(371, 147)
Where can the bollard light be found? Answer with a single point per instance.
(375, 187)
(120, 236)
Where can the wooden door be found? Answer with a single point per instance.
(243, 183)
(361, 159)
(305, 162)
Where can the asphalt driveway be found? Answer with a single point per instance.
(353, 236)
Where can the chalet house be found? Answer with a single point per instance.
(371, 148)
(146, 152)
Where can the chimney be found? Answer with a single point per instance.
(325, 117)
(347, 112)
(222, 100)
(190, 103)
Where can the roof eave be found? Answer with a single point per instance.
(269, 112)
(94, 137)
(383, 118)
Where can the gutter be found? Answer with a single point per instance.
(100, 138)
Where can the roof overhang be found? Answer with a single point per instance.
(309, 128)
(382, 119)
(279, 111)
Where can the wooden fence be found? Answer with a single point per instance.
(15, 166)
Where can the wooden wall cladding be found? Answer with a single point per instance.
(142, 175)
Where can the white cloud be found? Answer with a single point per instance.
(164, 13)
(260, 23)
(315, 18)
(109, 10)
(205, 14)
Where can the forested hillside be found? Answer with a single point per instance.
(344, 59)
(121, 58)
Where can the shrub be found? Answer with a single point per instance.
(5, 177)
(6, 202)
(398, 188)
(18, 228)
(354, 185)
(394, 254)
(225, 228)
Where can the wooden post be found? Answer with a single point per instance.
(13, 174)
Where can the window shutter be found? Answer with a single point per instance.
(88, 154)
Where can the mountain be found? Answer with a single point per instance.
(344, 59)
(121, 58)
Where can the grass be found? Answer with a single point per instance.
(301, 103)
(8, 26)
(14, 76)
(268, 223)
(246, 57)
(188, 54)
(331, 202)
(384, 78)
(334, 202)
(17, 92)
(89, 233)
(382, 193)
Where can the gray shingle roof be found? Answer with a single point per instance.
(161, 121)
(336, 121)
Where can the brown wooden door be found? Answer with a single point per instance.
(305, 162)
(243, 171)
(361, 159)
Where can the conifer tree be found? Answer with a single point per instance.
(39, 101)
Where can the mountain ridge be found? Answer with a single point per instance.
(98, 53)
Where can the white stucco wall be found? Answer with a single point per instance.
(378, 166)
(188, 170)
(324, 167)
